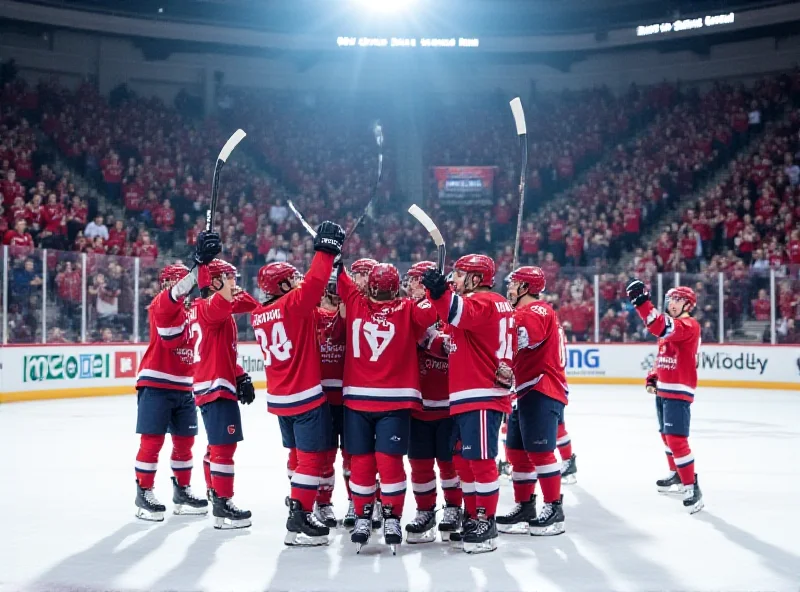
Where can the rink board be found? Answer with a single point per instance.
(37, 372)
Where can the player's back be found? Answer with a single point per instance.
(287, 336)
(381, 369)
(676, 361)
(167, 362)
(482, 326)
(540, 359)
(433, 378)
(214, 337)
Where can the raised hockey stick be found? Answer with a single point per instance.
(232, 142)
(436, 235)
(377, 130)
(522, 132)
(302, 220)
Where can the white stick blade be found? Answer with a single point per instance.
(232, 142)
(519, 116)
(426, 221)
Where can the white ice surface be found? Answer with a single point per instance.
(67, 491)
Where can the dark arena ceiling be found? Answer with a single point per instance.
(439, 17)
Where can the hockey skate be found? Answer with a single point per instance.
(569, 471)
(392, 533)
(324, 513)
(518, 519)
(186, 502)
(693, 497)
(457, 537)
(422, 528)
(671, 484)
(147, 506)
(451, 522)
(483, 537)
(377, 515)
(362, 529)
(303, 529)
(349, 520)
(550, 520)
(227, 516)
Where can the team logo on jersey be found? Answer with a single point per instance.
(231, 429)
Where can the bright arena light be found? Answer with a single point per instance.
(386, 6)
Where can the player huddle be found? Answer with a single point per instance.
(429, 369)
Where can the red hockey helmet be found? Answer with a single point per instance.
(215, 269)
(684, 293)
(363, 265)
(533, 276)
(173, 273)
(477, 264)
(272, 275)
(384, 278)
(418, 269)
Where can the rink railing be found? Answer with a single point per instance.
(52, 297)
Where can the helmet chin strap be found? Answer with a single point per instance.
(521, 296)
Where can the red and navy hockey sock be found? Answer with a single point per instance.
(362, 480)
(327, 477)
(207, 468)
(346, 472)
(487, 484)
(221, 465)
(548, 470)
(523, 474)
(291, 463)
(683, 457)
(181, 459)
(670, 458)
(464, 471)
(393, 481)
(423, 482)
(451, 485)
(305, 480)
(147, 459)
(563, 442)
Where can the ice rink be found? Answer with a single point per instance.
(68, 521)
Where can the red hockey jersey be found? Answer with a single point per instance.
(540, 352)
(286, 330)
(332, 345)
(433, 380)
(676, 361)
(381, 372)
(167, 363)
(482, 326)
(214, 336)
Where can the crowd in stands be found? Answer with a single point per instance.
(615, 165)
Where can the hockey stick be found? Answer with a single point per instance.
(232, 142)
(436, 235)
(522, 132)
(377, 130)
(302, 220)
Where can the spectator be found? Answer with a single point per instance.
(26, 282)
(96, 228)
(761, 306)
(19, 241)
(278, 212)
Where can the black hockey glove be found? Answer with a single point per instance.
(435, 283)
(244, 389)
(207, 248)
(637, 292)
(329, 239)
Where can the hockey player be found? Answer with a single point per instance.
(481, 324)
(431, 430)
(331, 331)
(674, 381)
(541, 395)
(220, 383)
(164, 385)
(359, 271)
(285, 328)
(381, 387)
